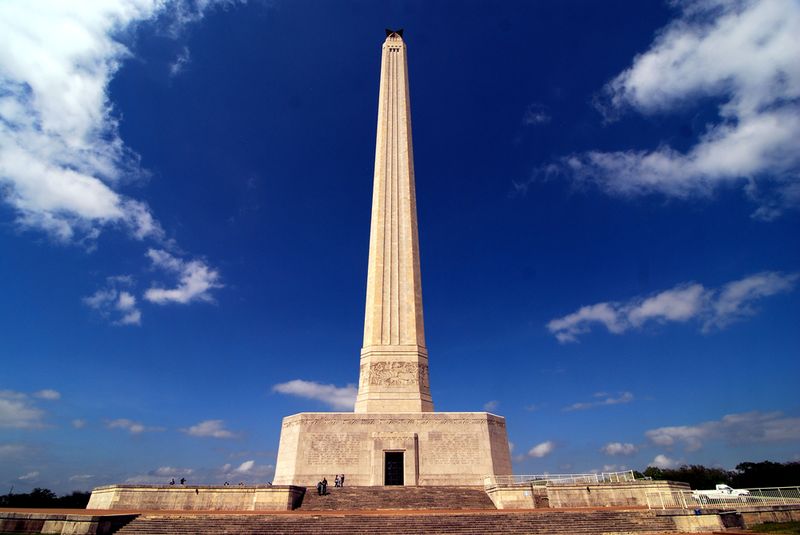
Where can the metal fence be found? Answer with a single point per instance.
(558, 479)
(694, 500)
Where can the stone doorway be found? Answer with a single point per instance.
(393, 468)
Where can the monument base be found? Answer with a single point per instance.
(425, 449)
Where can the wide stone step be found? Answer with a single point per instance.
(372, 498)
(473, 523)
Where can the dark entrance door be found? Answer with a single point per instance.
(393, 469)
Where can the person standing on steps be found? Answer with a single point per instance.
(319, 488)
(341, 480)
(324, 486)
(336, 481)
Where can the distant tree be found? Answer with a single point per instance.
(696, 475)
(76, 500)
(653, 472)
(40, 497)
(766, 474)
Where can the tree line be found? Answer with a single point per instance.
(45, 498)
(745, 475)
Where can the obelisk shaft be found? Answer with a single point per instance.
(394, 360)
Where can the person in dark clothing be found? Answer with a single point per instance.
(183, 480)
(319, 488)
(341, 480)
(324, 486)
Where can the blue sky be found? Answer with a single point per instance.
(608, 203)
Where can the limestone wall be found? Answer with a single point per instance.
(631, 493)
(168, 497)
(63, 524)
(607, 494)
(443, 448)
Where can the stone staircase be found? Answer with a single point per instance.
(375, 498)
(407, 523)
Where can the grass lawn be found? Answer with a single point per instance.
(791, 528)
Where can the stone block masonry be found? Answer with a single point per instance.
(441, 448)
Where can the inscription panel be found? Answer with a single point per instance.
(333, 448)
(454, 448)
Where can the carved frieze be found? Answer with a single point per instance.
(395, 374)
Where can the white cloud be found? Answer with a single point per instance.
(662, 461)
(245, 467)
(602, 399)
(489, 406)
(619, 448)
(248, 472)
(48, 394)
(17, 412)
(712, 308)
(112, 302)
(747, 427)
(61, 156)
(542, 450)
(81, 477)
(343, 398)
(29, 475)
(60, 153)
(77, 423)
(196, 280)
(132, 427)
(742, 52)
(209, 428)
(535, 114)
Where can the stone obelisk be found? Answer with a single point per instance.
(394, 361)
(393, 437)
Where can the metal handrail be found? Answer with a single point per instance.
(557, 479)
(677, 499)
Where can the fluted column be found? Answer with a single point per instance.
(394, 360)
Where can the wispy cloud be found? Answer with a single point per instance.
(740, 428)
(343, 398)
(601, 399)
(48, 393)
(8, 451)
(619, 448)
(489, 406)
(712, 308)
(114, 303)
(163, 471)
(209, 428)
(132, 427)
(535, 114)
(183, 58)
(743, 53)
(195, 280)
(29, 475)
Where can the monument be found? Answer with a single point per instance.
(393, 437)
